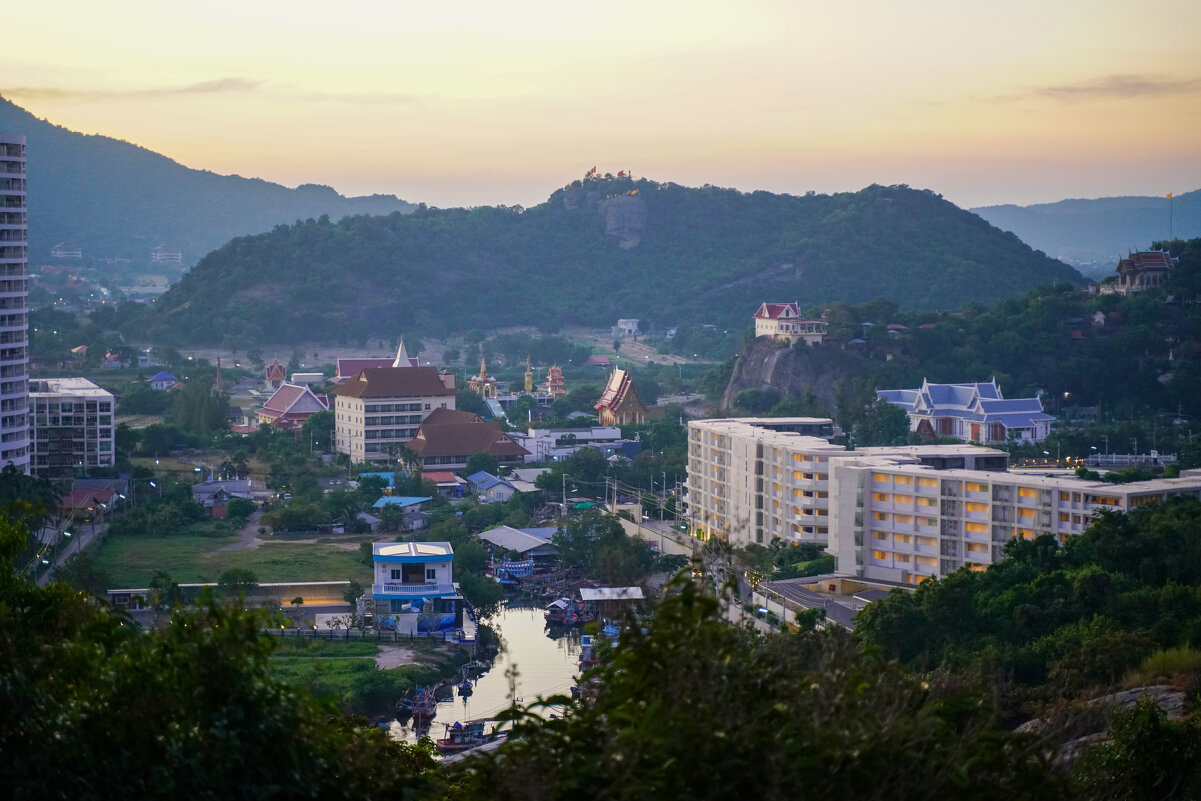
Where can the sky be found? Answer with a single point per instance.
(466, 103)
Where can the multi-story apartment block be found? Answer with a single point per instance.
(756, 479)
(71, 427)
(895, 519)
(14, 307)
(899, 514)
(382, 407)
(751, 483)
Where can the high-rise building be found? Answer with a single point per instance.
(71, 427)
(14, 307)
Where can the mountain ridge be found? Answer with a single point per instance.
(117, 200)
(1093, 233)
(597, 250)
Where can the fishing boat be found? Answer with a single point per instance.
(461, 737)
(588, 655)
(422, 706)
(465, 688)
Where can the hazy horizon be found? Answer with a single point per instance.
(485, 105)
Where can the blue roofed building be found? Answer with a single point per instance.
(416, 580)
(489, 488)
(970, 413)
(163, 381)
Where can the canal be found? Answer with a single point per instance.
(544, 666)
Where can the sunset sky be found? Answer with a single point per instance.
(469, 103)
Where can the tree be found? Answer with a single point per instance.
(470, 401)
(482, 461)
(165, 593)
(882, 424)
(791, 710)
(239, 508)
(236, 582)
(354, 591)
(194, 709)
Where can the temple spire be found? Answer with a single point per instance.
(402, 356)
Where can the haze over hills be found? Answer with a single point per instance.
(594, 251)
(113, 199)
(1092, 235)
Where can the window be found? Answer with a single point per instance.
(972, 486)
(977, 547)
(978, 528)
(903, 519)
(1065, 496)
(926, 502)
(1026, 513)
(880, 477)
(396, 574)
(927, 482)
(1027, 492)
(880, 535)
(976, 507)
(902, 479)
(883, 497)
(1064, 517)
(880, 515)
(903, 539)
(879, 555)
(901, 557)
(431, 574)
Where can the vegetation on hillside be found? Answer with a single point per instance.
(341, 281)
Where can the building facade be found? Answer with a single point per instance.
(973, 412)
(783, 321)
(619, 404)
(412, 577)
(14, 306)
(893, 519)
(898, 515)
(71, 427)
(756, 479)
(382, 408)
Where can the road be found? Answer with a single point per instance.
(81, 536)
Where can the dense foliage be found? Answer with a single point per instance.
(1058, 620)
(1050, 340)
(341, 281)
(693, 708)
(89, 706)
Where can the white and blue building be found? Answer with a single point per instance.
(973, 412)
(414, 582)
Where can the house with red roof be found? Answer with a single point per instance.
(619, 404)
(346, 369)
(448, 438)
(291, 405)
(783, 321)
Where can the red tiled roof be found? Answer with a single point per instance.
(439, 476)
(84, 498)
(276, 371)
(603, 361)
(772, 311)
(395, 382)
(462, 438)
(349, 368)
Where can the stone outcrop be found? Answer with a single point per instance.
(625, 219)
(792, 371)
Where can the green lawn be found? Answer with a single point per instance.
(192, 558)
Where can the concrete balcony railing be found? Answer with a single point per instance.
(413, 590)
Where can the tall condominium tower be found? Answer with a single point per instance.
(14, 307)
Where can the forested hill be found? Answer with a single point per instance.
(112, 199)
(1093, 234)
(595, 251)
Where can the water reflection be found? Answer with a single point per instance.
(547, 662)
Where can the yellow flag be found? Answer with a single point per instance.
(1169, 195)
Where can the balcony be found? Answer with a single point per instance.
(413, 590)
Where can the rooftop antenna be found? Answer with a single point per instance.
(218, 375)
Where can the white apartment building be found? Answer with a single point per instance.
(71, 427)
(895, 519)
(14, 306)
(382, 407)
(755, 479)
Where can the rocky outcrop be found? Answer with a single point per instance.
(625, 219)
(792, 371)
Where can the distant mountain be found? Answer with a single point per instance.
(595, 251)
(113, 199)
(1092, 234)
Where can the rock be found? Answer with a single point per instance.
(625, 219)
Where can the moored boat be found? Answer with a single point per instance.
(422, 706)
(462, 737)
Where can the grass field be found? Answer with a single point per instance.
(346, 672)
(193, 558)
